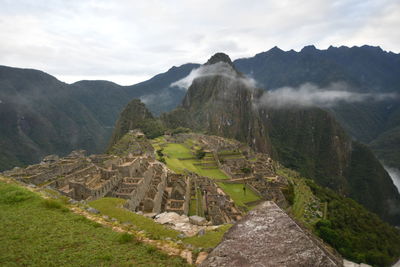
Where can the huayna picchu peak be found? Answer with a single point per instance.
(219, 57)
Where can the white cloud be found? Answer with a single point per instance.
(395, 175)
(132, 39)
(219, 68)
(309, 95)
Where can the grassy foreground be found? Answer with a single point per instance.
(38, 232)
(112, 208)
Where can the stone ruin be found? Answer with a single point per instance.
(147, 184)
(240, 163)
(215, 205)
(51, 168)
(255, 170)
(150, 187)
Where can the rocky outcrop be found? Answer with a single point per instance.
(132, 117)
(267, 236)
(220, 102)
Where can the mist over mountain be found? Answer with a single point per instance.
(341, 80)
(363, 73)
(308, 110)
(39, 115)
(307, 138)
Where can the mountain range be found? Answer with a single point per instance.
(41, 115)
(97, 103)
(221, 101)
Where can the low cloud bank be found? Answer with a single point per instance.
(395, 175)
(309, 95)
(221, 69)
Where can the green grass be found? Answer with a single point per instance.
(177, 151)
(235, 191)
(211, 239)
(193, 207)
(302, 197)
(174, 152)
(32, 234)
(112, 207)
(126, 238)
(199, 202)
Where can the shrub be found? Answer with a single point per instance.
(200, 153)
(150, 249)
(288, 192)
(180, 130)
(125, 238)
(160, 153)
(52, 204)
(246, 170)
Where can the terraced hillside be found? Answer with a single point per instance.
(182, 153)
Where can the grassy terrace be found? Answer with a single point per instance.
(179, 158)
(302, 193)
(236, 192)
(230, 154)
(38, 232)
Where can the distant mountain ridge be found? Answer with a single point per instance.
(365, 68)
(40, 115)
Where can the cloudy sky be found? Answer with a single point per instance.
(130, 41)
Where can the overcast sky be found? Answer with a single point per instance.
(130, 41)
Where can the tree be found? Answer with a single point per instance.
(200, 153)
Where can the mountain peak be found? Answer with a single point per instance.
(275, 50)
(219, 57)
(309, 48)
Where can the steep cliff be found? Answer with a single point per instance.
(312, 142)
(220, 102)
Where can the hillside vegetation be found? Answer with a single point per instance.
(357, 234)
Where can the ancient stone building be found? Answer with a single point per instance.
(131, 172)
